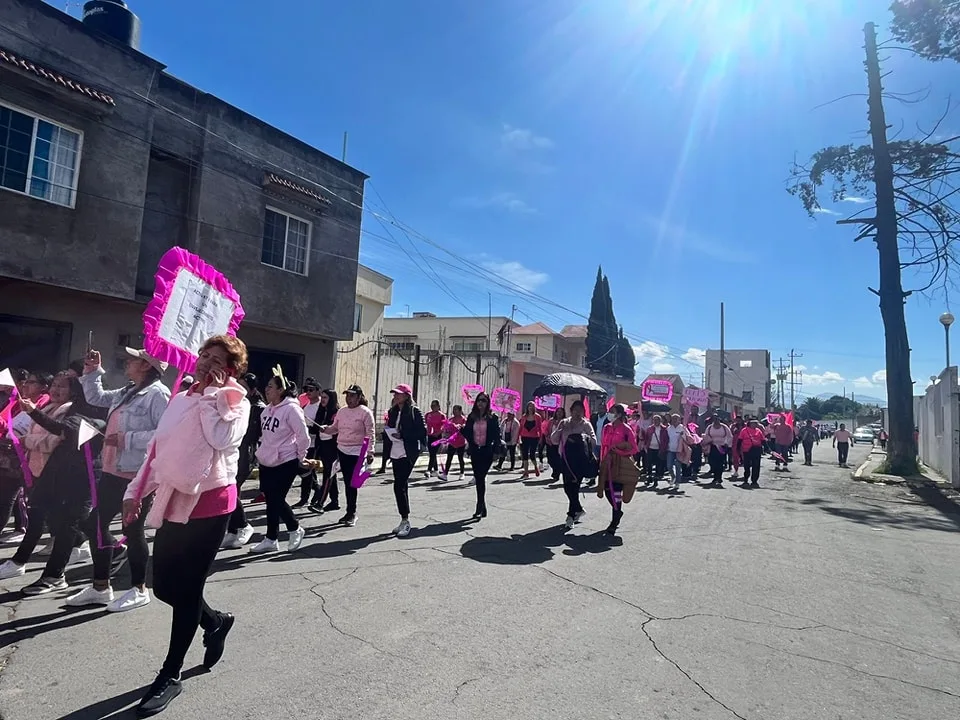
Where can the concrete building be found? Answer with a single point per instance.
(357, 358)
(533, 351)
(746, 379)
(107, 161)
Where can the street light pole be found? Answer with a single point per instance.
(947, 320)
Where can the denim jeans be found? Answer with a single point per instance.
(676, 470)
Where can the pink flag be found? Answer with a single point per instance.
(611, 402)
(586, 407)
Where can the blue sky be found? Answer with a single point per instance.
(539, 139)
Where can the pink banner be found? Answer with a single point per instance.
(360, 473)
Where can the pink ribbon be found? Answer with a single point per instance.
(18, 448)
(360, 475)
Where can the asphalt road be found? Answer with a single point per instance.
(811, 597)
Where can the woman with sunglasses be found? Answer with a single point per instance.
(482, 433)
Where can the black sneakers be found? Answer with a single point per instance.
(214, 640)
(162, 692)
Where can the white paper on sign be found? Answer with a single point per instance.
(6, 379)
(86, 433)
(194, 312)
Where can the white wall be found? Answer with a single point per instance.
(938, 417)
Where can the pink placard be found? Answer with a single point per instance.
(504, 400)
(657, 390)
(470, 393)
(192, 301)
(360, 474)
(548, 402)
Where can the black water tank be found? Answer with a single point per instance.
(113, 19)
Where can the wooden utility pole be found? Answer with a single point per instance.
(723, 360)
(901, 450)
(793, 382)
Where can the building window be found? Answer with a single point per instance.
(524, 347)
(286, 242)
(564, 356)
(357, 316)
(746, 363)
(38, 157)
(467, 346)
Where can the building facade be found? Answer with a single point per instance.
(357, 358)
(524, 354)
(107, 161)
(746, 380)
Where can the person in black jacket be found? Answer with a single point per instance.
(239, 531)
(408, 436)
(61, 493)
(325, 450)
(482, 432)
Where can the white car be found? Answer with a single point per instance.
(863, 435)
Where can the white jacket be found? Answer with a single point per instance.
(284, 434)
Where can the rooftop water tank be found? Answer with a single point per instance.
(113, 19)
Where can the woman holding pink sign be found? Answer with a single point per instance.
(435, 420)
(455, 441)
(352, 425)
(482, 433)
(192, 478)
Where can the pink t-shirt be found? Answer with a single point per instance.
(480, 432)
(434, 420)
(457, 440)
(616, 433)
(216, 502)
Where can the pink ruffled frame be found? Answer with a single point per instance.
(170, 264)
(646, 394)
(501, 396)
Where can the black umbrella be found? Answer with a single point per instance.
(568, 384)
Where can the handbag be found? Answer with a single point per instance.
(621, 470)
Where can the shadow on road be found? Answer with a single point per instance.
(24, 628)
(535, 547)
(121, 706)
(915, 496)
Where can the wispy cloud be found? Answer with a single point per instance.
(828, 377)
(521, 139)
(880, 377)
(663, 367)
(705, 247)
(857, 200)
(862, 382)
(507, 201)
(696, 356)
(825, 211)
(649, 350)
(516, 273)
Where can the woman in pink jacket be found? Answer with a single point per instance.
(530, 429)
(284, 442)
(618, 444)
(191, 470)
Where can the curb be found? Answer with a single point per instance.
(858, 473)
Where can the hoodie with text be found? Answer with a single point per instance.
(284, 434)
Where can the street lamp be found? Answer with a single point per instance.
(947, 320)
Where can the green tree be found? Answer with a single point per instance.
(602, 335)
(912, 223)
(626, 359)
(930, 27)
(811, 409)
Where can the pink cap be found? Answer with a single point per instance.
(402, 389)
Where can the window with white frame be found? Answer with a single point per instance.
(746, 363)
(357, 316)
(524, 347)
(286, 242)
(38, 157)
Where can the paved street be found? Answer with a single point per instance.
(811, 597)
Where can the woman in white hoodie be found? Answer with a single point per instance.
(190, 470)
(284, 442)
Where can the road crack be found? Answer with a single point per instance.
(336, 628)
(460, 687)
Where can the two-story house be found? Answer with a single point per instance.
(107, 161)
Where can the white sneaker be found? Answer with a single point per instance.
(80, 554)
(579, 516)
(11, 570)
(403, 529)
(231, 542)
(245, 534)
(568, 523)
(131, 600)
(265, 546)
(91, 596)
(295, 539)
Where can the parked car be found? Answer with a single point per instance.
(863, 435)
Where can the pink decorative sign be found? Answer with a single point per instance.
(774, 418)
(192, 301)
(504, 400)
(696, 397)
(470, 393)
(657, 390)
(548, 402)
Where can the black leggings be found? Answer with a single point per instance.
(481, 459)
(63, 516)
(328, 485)
(842, 450)
(238, 518)
(276, 483)
(615, 500)
(451, 451)
(571, 486)
(718, 461)
(433, 465)
(110, 492)
(556, 462)
(10, 486)
(308, 479)
(402, 467)
(183, 555)
(528, 448)
(348, 464)
(510, 450)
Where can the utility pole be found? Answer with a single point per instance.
(781, 382)
(513, 310)
(489, 320)
(793, 402)
(723, 359)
